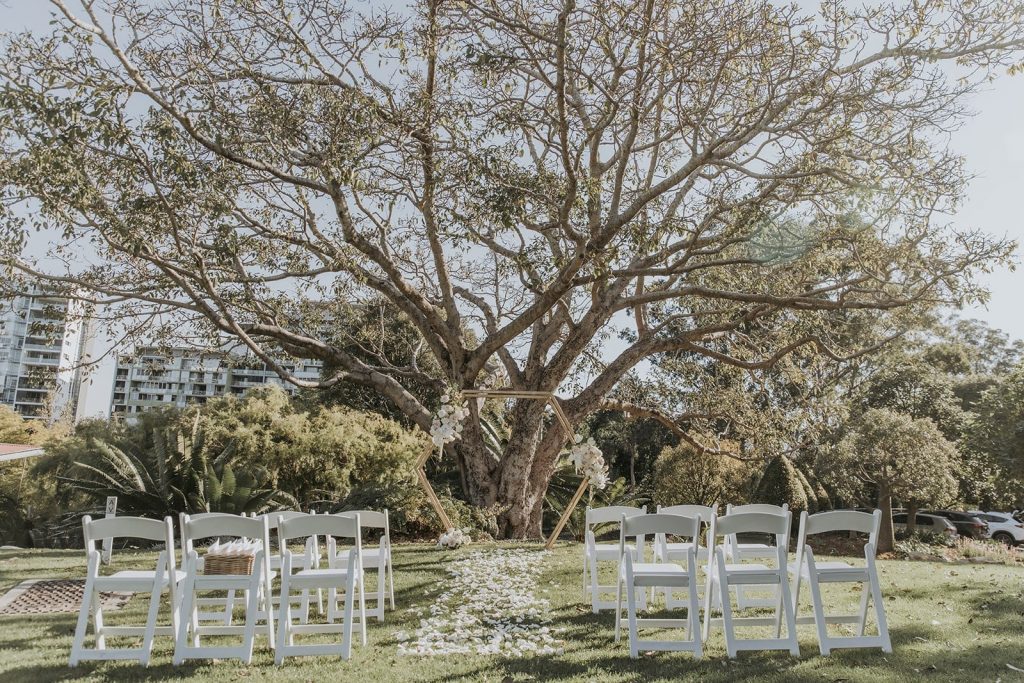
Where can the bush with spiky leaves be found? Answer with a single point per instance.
(170, 469)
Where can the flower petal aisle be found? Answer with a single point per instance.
(487, 607)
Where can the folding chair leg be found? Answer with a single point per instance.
(586, 561)
(787, 609)
(381, 586)
(863, 614)
(229, 607)
(634, 635)
(618, 611)
(693, 618)
(707, 606)
(819, 616)
(97, 621)
(594, 592)
(362, 609)
(723, 587)
(154, 610)
(391, 581)
(876, 597)
(304, 605)
(346, 642)
(284, 620)
(187, 618)
(82, 626)
(778, 615)
(249, 633)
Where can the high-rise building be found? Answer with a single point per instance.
(40, 354)
(153, 378)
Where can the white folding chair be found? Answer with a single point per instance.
(816, 573)
(163, 577)
(670, 551)
(347, 577)
(722, 575)
(378, 558)
(642, 575)
(256, 586)
(225, 605)
(594, 553)
(739, 552)
(309, 559)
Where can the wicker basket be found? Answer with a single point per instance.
(228, 564)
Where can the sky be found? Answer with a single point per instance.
(992, 142)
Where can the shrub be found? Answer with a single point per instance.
(319, 456)
(685, 476)
(781, 483)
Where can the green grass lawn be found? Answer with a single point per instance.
(948, 623)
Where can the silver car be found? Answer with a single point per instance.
(923, 522)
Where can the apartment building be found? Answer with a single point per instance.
(154, 378)
(41, 339)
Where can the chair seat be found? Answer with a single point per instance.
(755, 574)
(134, 580)
(838, 572)
(659, 574)
(315, 578)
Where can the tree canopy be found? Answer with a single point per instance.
(551, 193)
(893, 455)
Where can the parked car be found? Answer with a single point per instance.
(966, 524)
(1002, 526)
(924, 522)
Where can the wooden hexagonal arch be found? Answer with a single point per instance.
(556, 407)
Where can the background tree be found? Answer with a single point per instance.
(558, 191)
(892, 455)
(995, 436)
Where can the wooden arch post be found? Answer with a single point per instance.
(556, 407)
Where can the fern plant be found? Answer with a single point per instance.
(171, 473)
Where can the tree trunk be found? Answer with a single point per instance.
(911, 518)
(632, 464)
(885, 533)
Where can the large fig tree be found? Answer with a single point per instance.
(551, 192)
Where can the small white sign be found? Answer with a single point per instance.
(108, 543)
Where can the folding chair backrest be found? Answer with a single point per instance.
(368, 519)
(611, 513)
(766, 508)
(320, 525)
(274, 518)
(844, 520)
(660, 523)
(221, 525)
(839, 520)
(753, 522)
(705, 512)
(126, 527)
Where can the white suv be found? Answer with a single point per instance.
(1002, 527)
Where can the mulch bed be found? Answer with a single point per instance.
(54, 596)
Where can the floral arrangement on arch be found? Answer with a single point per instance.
(447, 424)
(588, 459)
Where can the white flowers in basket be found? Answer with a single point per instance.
(447, 424)
(588, 459)
(453, 538)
